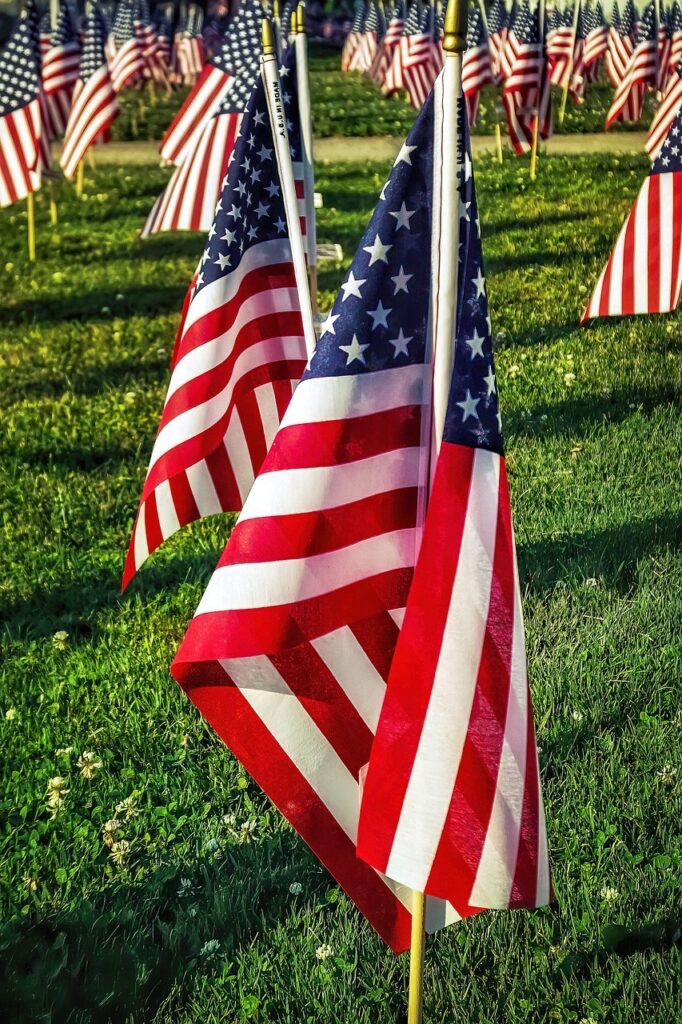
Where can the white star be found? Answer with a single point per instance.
(200, 279)
(479, 281)
(262, 210)
(377, 251)
(468, 407)
(255, 175)
(234, 212)
(265, 154)
(252, 140)
(246, 164)
(328, 326)
(400, 344)
(475, 344)
(402, 217)
(354, 351)
(400, 281)
(404, 155)
(252, 233)
(259, 117)
(241, 188)
(212, 231)
(491, 382)
(206, 253)
(223, 260)
(229, 236)
(464, 210)
(467, 167)
(283, 72)
(379, 316)
(280, 225)
(352, 286)
(383, 191)
(272, 190)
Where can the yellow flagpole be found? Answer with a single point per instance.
(498, 140)
(536, 126)
(415, 999)
(30, 208)
(80, 175)
(53, 203)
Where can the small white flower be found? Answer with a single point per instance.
(110, 830)
(127, 807)
(667, 774)
(89, 764)
(186, 887)
(569, 379)
(119, 851)
(578, 716)
(323, 952)
(63, 751)
(10, 714)
(609, 894)
(246, 830)
(295, 888)
(59, 640)
(210, 950)
(591, 581)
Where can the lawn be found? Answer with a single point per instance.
(214, 911)
(350, 105)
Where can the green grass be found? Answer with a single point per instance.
(350, 105)
(593, 428)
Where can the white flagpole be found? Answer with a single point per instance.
(273, 93)
(448, 165)
(304, 106)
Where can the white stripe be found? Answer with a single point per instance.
(199, 418)
(398, 616)
(165, 509)
(267, 584)
(495, 875)
(354, 672)
(239, 454)
(641, 250)
(212, 353)
(431, 782)
(285, 492)
(141, 548)
(203, 489)
(267, 410)
(616, 283)
(320, 399)
(665, 206)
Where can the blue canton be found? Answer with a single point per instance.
(65, 33)
(239, 55)
(20, 67)
(380, 319)
(93, 56)
(669, 158)
(123, 29)
(251, 208)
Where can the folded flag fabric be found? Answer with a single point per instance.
(241, 352)
(644, 272)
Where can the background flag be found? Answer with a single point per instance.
(20, 112)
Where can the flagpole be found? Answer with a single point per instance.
(576, 15)
(305, 111)
(273, 93)
(445, 263)
(30, 209)
(536, 126)
(498, 133)
(80, 175)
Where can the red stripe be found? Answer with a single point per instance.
(629, 255)
(208, 141)
(461, 845)
(524, 888)
(245, 633)
(224, 481)
(239, 727)
(249, 413)
(272, 538)
(183, 498)
(151, 523)
(416, 659)
(378, 637)
(653, 242)
(676, 255)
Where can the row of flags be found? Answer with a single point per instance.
(510, 48)
(356, 507)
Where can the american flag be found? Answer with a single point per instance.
(94, 101)
(20, 112)
(60, 72)
(421, 59)
(367, 43)
(477, 69)
(675, 52)
(452, 804)
(235, 56)
(621, 43)
(664, 49)
(666, 113)
(353, 38)
(644, 272)
(241, 353)
(596, 41)
(289, 651)
(187, 203)
(640, 73)
(526, 93)
(559, 47)
(497, 35)
(190, 46)
(127, 48)
(393, 80)
(386, 49)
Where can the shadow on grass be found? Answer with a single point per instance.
(123, 374)
(120, 955)
(99, 306)
(610, 555)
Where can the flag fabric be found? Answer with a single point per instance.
(394, 78)
(95, 106)
(526, 93)
(187, 203)
(644, 272)
(352, 40)
(422, 60)
(127, 48)
(497, 35)
(20, 111)
(664, 49)
(674, 28)
(386, 49)
(639, 74)
(452, 805)
(60, 72)
(191, 47)
(288, 653)
(671, 103)
(477, 70)
(367, 43)
(560, 44)
(241, 353)
(596, 41)
(621, 43)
